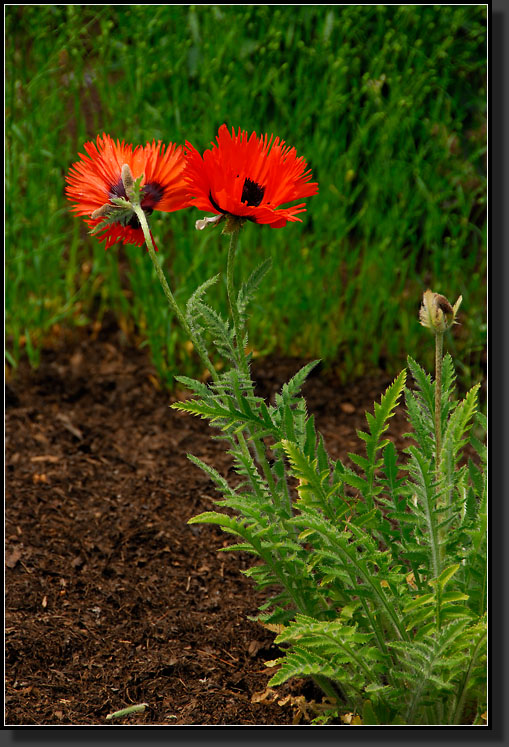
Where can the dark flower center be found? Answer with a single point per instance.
(151, 194)
(252, 193)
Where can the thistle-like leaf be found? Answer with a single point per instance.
(249, 288)
(292, 388)
(425, 385)
(196, 297)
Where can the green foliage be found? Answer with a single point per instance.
(377, 574)
(386, 103)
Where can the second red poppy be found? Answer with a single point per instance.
(249, 177)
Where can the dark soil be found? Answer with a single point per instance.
(112, 599)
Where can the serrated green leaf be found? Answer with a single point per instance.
(454, 596)
(208, 517)
(419, 602)
(197, 295)
(445, 576)
(249, 288)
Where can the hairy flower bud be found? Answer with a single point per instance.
(102, 212)
(127, 179)
(436, 312)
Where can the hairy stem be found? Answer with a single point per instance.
(242, 361)
(439, 346)
(230, 286)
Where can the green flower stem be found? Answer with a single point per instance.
(169, 295)
(237, 325)
(242, 361)
(439, 347)
(183, 321)
(236, 321)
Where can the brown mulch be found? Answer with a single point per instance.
(112, 599)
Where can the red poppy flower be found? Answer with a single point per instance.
(96, 178)
(249, 178)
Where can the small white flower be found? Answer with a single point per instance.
(204, 222)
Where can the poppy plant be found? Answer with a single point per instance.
(248, 178)
(96, 179)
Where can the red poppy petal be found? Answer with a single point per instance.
(248, 177)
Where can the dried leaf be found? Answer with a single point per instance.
(351, 719)
(410, 579)
(263, 696)
(274, 628)
(254, 647)
(69, 426)
(12, 558)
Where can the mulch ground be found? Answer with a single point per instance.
(112, 599)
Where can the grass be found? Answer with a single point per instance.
(386, 103)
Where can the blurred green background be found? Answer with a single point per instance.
(386, 103)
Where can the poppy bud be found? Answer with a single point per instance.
(436, 312)
(127, 179)
(102, 212)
